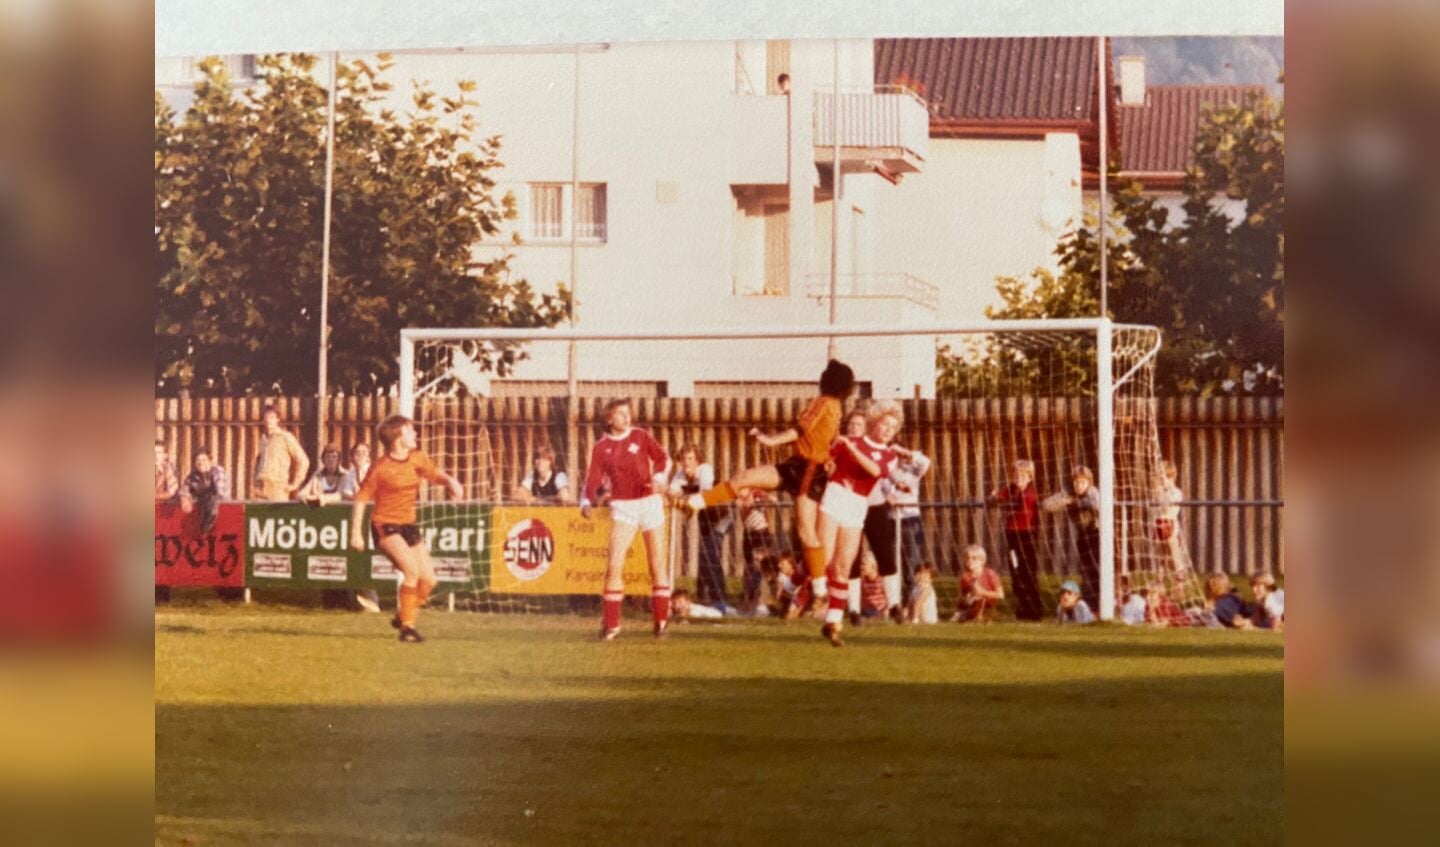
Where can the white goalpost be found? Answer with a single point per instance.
(1066, 395)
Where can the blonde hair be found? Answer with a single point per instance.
(1216, 585)
(1082, 470)
(976, 548)
(885, 409)
(1025, 465)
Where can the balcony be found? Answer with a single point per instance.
(878, 286)
(886, 127)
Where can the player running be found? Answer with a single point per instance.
(636, 469)
(393, 483)
(860, 463)
(803, 474)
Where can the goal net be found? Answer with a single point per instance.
(514, 414)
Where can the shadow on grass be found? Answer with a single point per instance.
(1031, 638)
(1170, 760)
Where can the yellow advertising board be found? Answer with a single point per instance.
(552, 550)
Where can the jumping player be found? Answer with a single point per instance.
(802, 475)
(860, 463)
(637, 469)
(393, 483)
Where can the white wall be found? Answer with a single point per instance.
(981, 208)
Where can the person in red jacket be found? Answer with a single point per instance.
(635, 468)
(1021, 508)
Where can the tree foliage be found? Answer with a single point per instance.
(239, 201)
(1214, 281)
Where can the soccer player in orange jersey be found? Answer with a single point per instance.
(393, 483)
(802, 475)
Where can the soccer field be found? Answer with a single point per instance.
(309, 727)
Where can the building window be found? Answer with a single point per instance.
(550, 212)
(591, 213)
(547, 211)
(184, 71)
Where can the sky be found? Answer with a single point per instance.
(1208, 60)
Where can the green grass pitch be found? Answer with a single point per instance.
(292, 726)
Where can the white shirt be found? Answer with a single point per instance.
(353, 478)
(928, 612)
(704, 475)
(904, 484)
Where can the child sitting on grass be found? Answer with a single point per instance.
(1225, 603)
(980, 589)
(1073, 609)
(1269, 602)
(923, 608)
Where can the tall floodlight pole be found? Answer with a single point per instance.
(572, 381)
(1104, 168)
(324, 388)
(835, 182)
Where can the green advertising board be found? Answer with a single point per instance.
(298, 546)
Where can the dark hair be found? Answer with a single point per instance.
(159, 443)
(837, 380)
(680, 592)
(782, 78)
(330, 448)
(389, 429)
(612, 406)
(690, 447)
(544, 451)
(271, 407)
(200, 450)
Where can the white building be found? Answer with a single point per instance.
(705, 192)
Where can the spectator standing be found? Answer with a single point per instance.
(1021, 507)
(545, 483)
(902, 493)
(359, 467)
(701, 533)
(1081, 504)
(167, 479)
(758, 545)
(280, 461)
(1167, 520)
(325, 487)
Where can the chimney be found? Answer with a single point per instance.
(1132, 80)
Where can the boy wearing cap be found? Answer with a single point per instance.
(1073, 610)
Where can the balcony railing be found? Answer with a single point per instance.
(875, 286)
(887, 122)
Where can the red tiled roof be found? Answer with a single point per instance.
(995, 79)
(1159, 137)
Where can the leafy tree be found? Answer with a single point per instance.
(239, 203)
(1215, 286)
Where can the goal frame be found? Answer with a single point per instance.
(1106, 383)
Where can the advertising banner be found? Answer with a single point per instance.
(552, 550)
(295, 545)
(187, 555)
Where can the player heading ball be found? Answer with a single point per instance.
(802, 475)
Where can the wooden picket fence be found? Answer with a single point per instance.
(1230, 451)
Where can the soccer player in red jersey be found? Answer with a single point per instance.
(802, 475)
(393, 483)
(636, 468)
(860, 463)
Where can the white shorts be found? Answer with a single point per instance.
(646, 512)
(845, 506)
